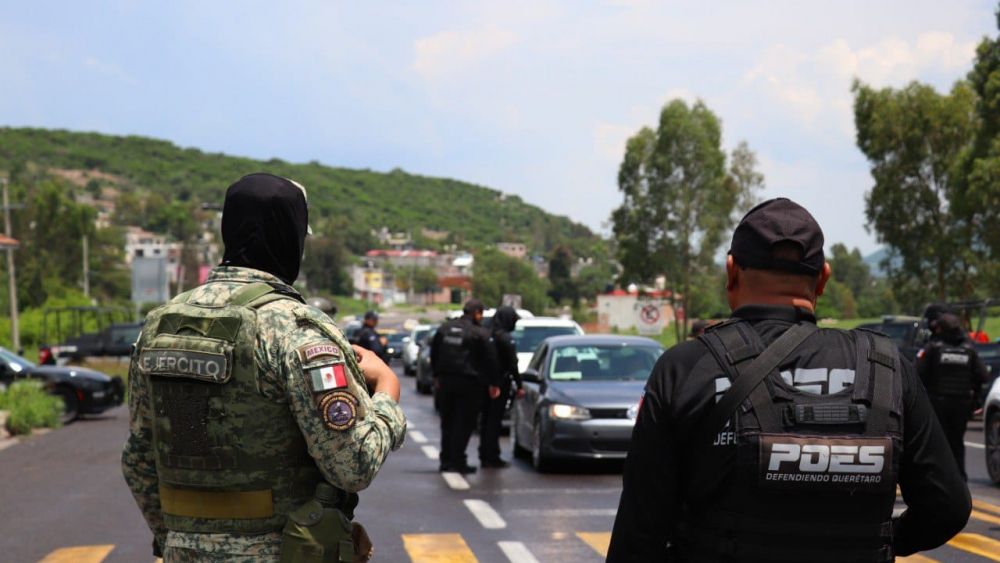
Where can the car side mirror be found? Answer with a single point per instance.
(531, 375)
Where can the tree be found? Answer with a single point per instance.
(980, 188)
(560, 276)
(325, 265)
(495, 274)
(914, 138)
(679, 198)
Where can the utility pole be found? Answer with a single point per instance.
(86, 267)
(15, 334)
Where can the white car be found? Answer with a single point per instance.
(411, 347)
(991, 431)
(530, 332)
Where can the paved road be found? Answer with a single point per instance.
(62, 499)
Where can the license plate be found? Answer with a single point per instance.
(98, 394)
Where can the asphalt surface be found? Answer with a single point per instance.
(62, 498)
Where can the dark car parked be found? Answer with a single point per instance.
(425, 375)
(581, 397)
(82, 390)
(394, 345)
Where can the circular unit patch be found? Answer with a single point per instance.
(339, 409)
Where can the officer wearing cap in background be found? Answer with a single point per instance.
(368, 338)
(769, 439)
(504, 321)
(245, 402)
(953, 374)
(464, 361)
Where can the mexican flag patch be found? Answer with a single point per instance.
(324, 378)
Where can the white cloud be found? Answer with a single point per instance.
(814, 85)
(451, 52)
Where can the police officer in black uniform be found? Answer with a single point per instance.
(464, 362)
(368, 337)
(769, 439)
(504, 321)
(953, 374)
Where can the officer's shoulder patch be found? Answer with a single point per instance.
(339, 409)
(318, 349)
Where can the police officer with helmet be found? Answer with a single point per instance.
(464, 361)
(769, 439)
(953, 374)
(253, 423)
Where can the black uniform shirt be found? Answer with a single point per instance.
(480, 360)
(367, 337)
(507, 358)
(656, 488)
(929, 363)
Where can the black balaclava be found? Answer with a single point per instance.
(505, 319)
(264, 224)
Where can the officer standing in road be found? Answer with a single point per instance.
(953, 374)
(491, 421)
(244, 400)
(367, 337)
(769, 439)
(463, 358)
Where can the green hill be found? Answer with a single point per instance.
(355, 200)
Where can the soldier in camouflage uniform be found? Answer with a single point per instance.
(226, 438)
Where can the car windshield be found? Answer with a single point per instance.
(527, 339)
(420, 334)
(603, 363)
(396, 337)
(16, 363)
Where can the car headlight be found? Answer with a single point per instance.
(568, 412)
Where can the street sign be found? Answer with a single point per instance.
(650, 317)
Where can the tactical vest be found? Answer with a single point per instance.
(815, 474)
(229, 460)
(951, 371)
(454, 358)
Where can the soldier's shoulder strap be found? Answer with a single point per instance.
(258, 294)
(736, 347)
(877, 379)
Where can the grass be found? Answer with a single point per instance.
(29, 407)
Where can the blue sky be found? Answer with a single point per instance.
(534, 98)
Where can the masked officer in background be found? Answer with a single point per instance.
(504, 321)
(367, 337)
(463, 358)
(244, 401)
(768, 439)
(953, 374)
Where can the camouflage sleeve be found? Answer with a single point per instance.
(138, 460)
(348, 432)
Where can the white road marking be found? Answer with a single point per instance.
(455, 481)
(557, 491)
(483, 512)
(563, 512)
(431, 452)
(516, 552)
(418, 436)
(976, 445)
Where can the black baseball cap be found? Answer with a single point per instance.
(775, 221)
(371, 315)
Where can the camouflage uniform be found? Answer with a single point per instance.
(347, 458)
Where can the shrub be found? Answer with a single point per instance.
(30, 406)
